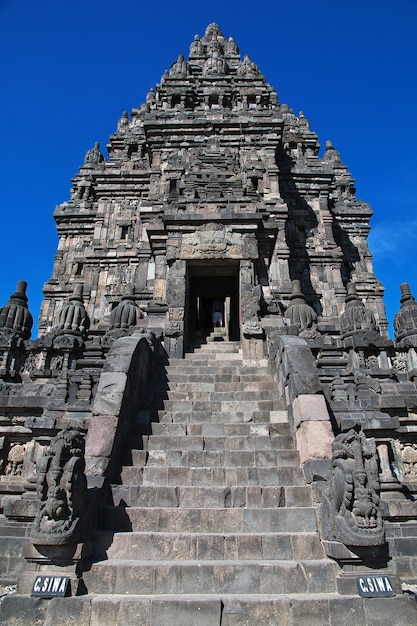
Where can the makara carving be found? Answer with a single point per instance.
(61, 487)
(351, 512)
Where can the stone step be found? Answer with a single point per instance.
(209, 497)
(210, 443)
(210, 577)
(217, 369)
(226, 430)
(217, 346)
(225, 405)
(190, 375)
(159, 546)
(210, 520)
(220, 609)
(219, 386)
(192, 415)
(201, 395)
(223, 458)
(229, 359)
(215, 476)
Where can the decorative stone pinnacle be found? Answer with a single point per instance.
(77, 294)
(405, 321)
(297, 295)
(352, 298)
(20, 292)
(15, 316)
(406, 295)
(129, 292)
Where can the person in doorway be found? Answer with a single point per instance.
(217, 312)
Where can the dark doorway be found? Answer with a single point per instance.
(207, 281)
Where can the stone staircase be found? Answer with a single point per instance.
(213, 523)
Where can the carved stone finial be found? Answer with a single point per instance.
(213, 31)
(61, 487)
(303, 121)
(127, 313)
(94, 156)
(231, 47)
(351, 512)
(356, 318)
(73, 317)
(124, 121)
(331, 155)
(299, 313)
(150, 96)
(15, 316)
(196, 47)
(405, 321)
(180, 67)
(247, 68)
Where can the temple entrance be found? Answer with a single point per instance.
(207, 284)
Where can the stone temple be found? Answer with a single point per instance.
(159, 468)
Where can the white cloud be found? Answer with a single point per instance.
(396, 238)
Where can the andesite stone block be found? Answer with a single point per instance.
(314, 440)
(306, 408)
(100, 435)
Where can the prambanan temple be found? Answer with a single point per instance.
(213, 427)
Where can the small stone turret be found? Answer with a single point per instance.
(15, 316)
(299, 313)
(126, 313)
(331, 155)
(94, 156)
(358, 325)
(356, 317)
(405, 321)
(73, 317)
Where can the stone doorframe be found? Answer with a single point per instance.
(212, 242)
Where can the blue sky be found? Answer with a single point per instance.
(69, 69)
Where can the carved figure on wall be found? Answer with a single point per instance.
(61, 487)
(15, 460)
(351, 512)
(215, 64)
(409, 461)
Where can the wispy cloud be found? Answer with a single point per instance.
(395, 238)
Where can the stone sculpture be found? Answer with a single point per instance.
(73, 318)
(247, 68)
(61, 487)
(405, 321)
(15, 318)
(356, 317)
(180, 67)
(351, 512)
(299, 314)
(15, 327)
(94, 156)
(126, 313)
(214, 65)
